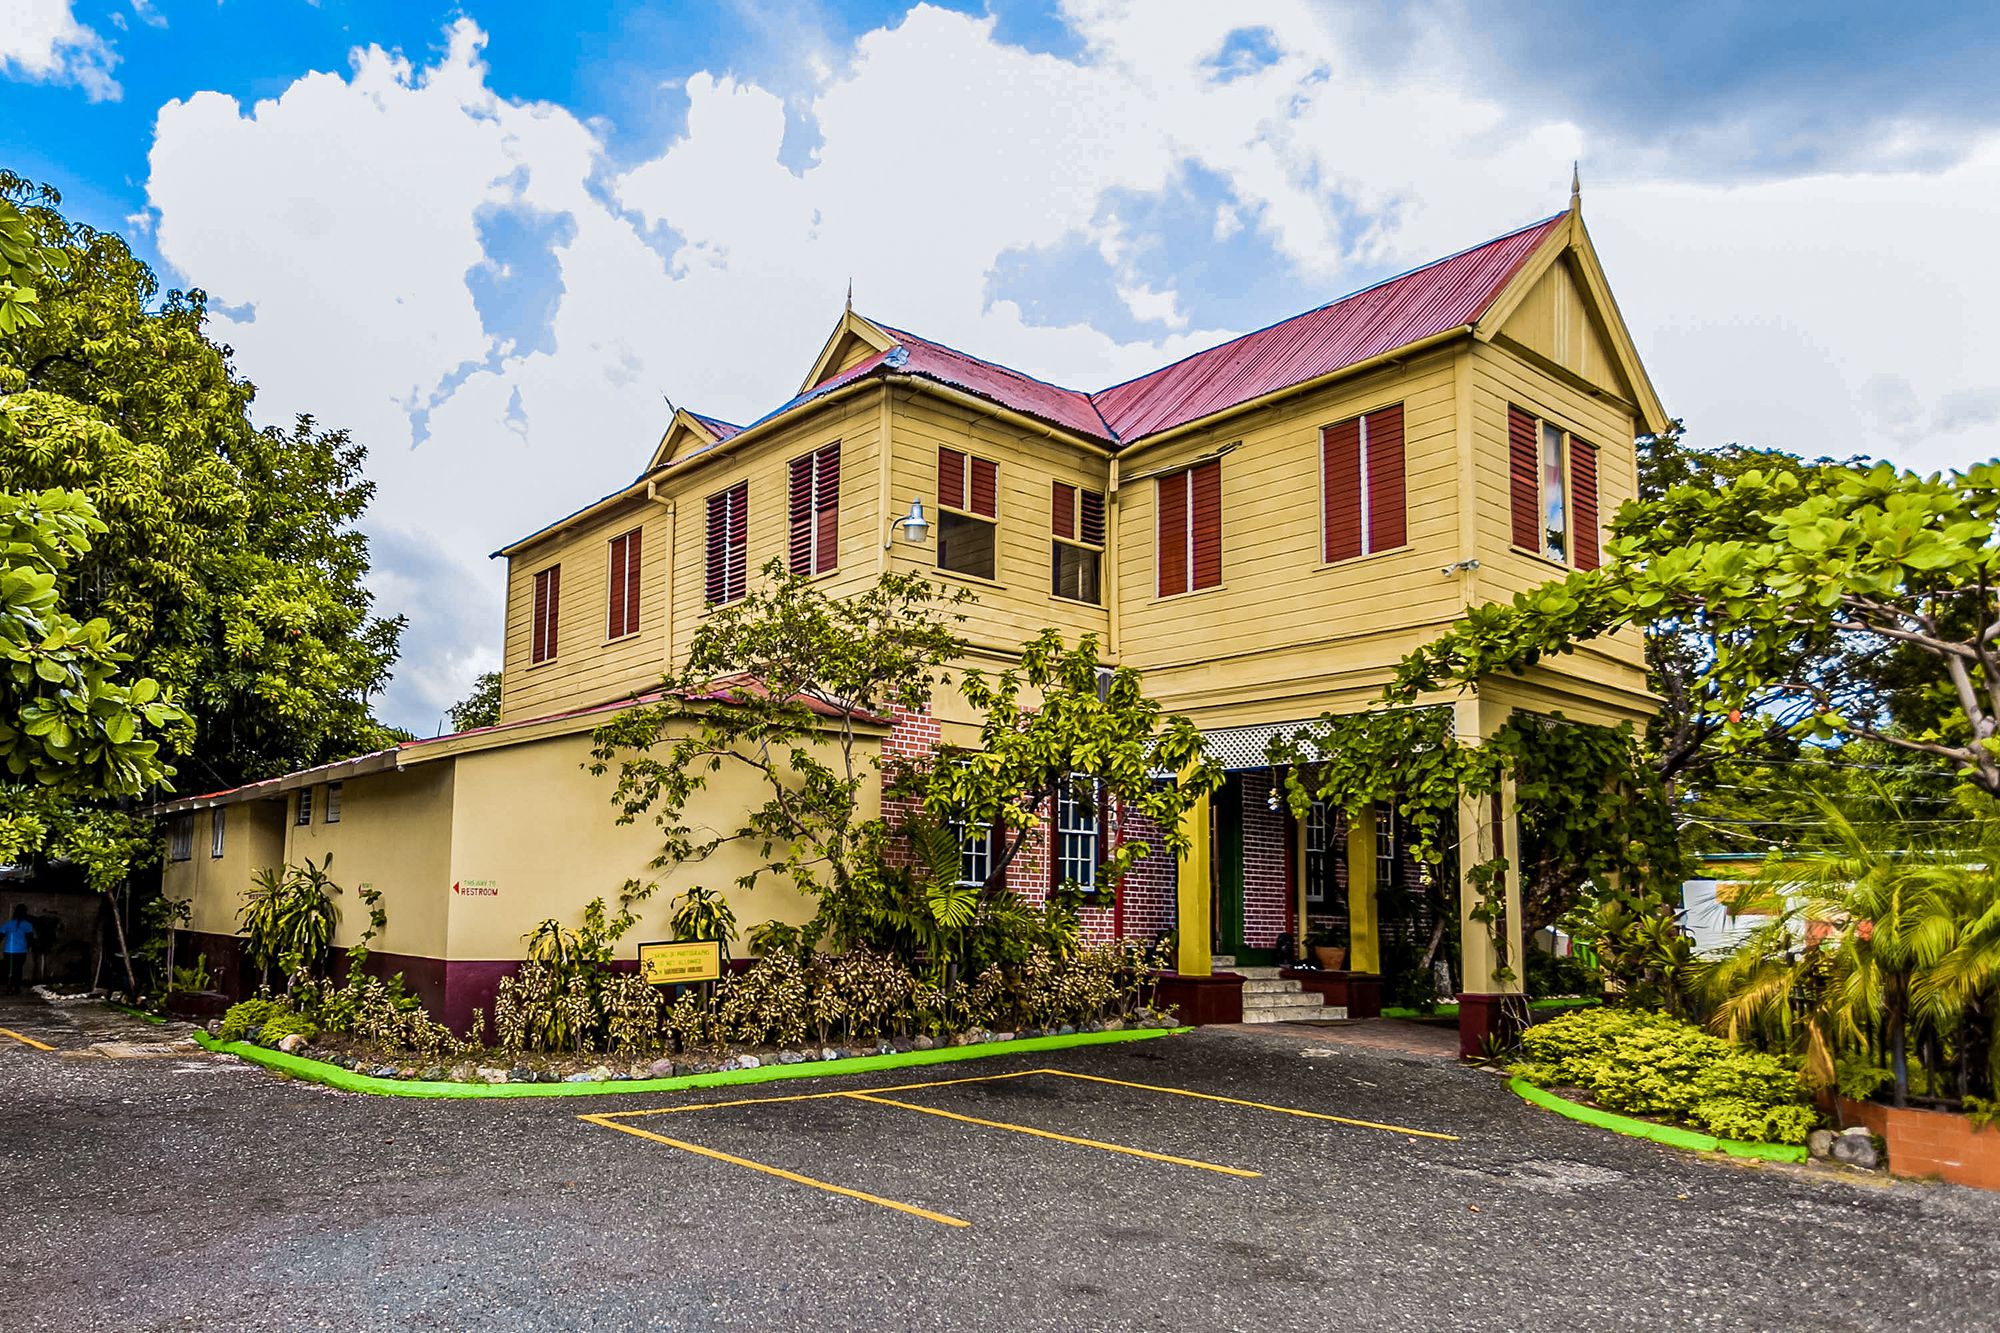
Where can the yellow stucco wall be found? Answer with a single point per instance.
(252, 838)
(394, 835)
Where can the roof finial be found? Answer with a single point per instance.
(850, 293)
(1575, 188)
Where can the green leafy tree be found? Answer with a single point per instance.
(481, 708)
(1059, 722)
(1804, 585)
(788, 685)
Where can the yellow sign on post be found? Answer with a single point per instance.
(675, 962)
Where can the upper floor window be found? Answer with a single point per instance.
(815, 511)
(1190, 505)
(968, 493)
(304, 815)
(548, 593)
(1077, 520)
(1361, 484)
(728, 544)
(180, 838)
(975, 855)
(622, 586)
(216, 824)
(1077, 833)
(1385, 848)
(332, 815)
(1552, 484)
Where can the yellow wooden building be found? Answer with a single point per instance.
(1264, 529)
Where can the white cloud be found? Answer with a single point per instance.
(42, 42)
(1835, 313)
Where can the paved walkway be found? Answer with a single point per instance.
(1427, 1041)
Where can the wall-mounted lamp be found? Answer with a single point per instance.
(914, 525)
(1460, 566)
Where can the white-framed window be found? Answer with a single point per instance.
(304, 814)
(332, 815)
(180, 838)
(975, 855)
(217, 821)
(1079, 826)
(968, 514)
(1552, 491)
(1385, 848)
(1554, 494)
(1319, 854)
(1076, 522)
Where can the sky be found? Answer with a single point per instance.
(494, 240)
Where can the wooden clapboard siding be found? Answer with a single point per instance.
(1553, 321)
(1277, 590)
(1016, 605)
(1500, 379)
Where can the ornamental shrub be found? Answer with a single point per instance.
(1645, 1063)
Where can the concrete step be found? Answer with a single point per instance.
(1223, 962)
(1294, 1000)
(1293, 1015)
(1252, 973)
(1270, 986)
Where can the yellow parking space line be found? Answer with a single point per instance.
(1059, 1138)
(779, 1172)
(25, 1041)
(820, 1096)
(1261, 1106)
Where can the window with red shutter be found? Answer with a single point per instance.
(542, 630)
(1076, 522)
(1190, 506)
(1552, 491)
(727, 549)
(968, 507)
(814, 511)
(1362, 486)
(622, 586)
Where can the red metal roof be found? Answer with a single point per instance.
(1422, 303)
(1010, 388)
(717, 427)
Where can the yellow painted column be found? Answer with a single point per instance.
(1364, 944)
(1194, 956)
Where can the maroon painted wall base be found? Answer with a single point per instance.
(1484, 1016)
(1202, 1000)
(1360, 993)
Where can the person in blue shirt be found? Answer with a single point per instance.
(14, 937)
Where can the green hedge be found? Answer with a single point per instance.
(1649, 1064)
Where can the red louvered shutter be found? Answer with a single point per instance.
(1388, 525)
(1523, 480)
(542, 634)
(615, 589)
(1583, 481)
(716, 585)
(739, 539)
(633, 543)
(951, 478)
(1206, 485)
(985, 498)
(1340, 485)
(1172, 496)
(1092, 526)
(1062, 510)
(800, 559)
(826, 501)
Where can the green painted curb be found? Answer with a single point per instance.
(1670, 1135)
(154, 1019)
(346, 1080)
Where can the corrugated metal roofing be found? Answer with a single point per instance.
(717, 427)
(1010, 388)
(1422, 303)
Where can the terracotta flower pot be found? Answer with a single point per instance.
(1330, 957)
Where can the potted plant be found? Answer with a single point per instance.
(1329, 947)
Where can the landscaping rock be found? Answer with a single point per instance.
(291, 1044)
(749, 1062)
(435, 1074)
(460, 1074)
(1066, 1031)
(1820, 1143)
(660, 1069)
(520, 1074)
(382, 1071)
(1858, 1149)
(1003, 1036)
(922, 1044)
(832, 1053)
(885, 1048)
(583, 1077)
(488, 1074)
(1114, 1024)
(214, 1027)
(599, 1073)
(790, 1058)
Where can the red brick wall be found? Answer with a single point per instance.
(1149, 889)
(1931, 1143)
(1267, 894)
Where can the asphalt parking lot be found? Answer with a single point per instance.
(1306, 1183)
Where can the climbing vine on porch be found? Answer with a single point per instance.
(1592, 814)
